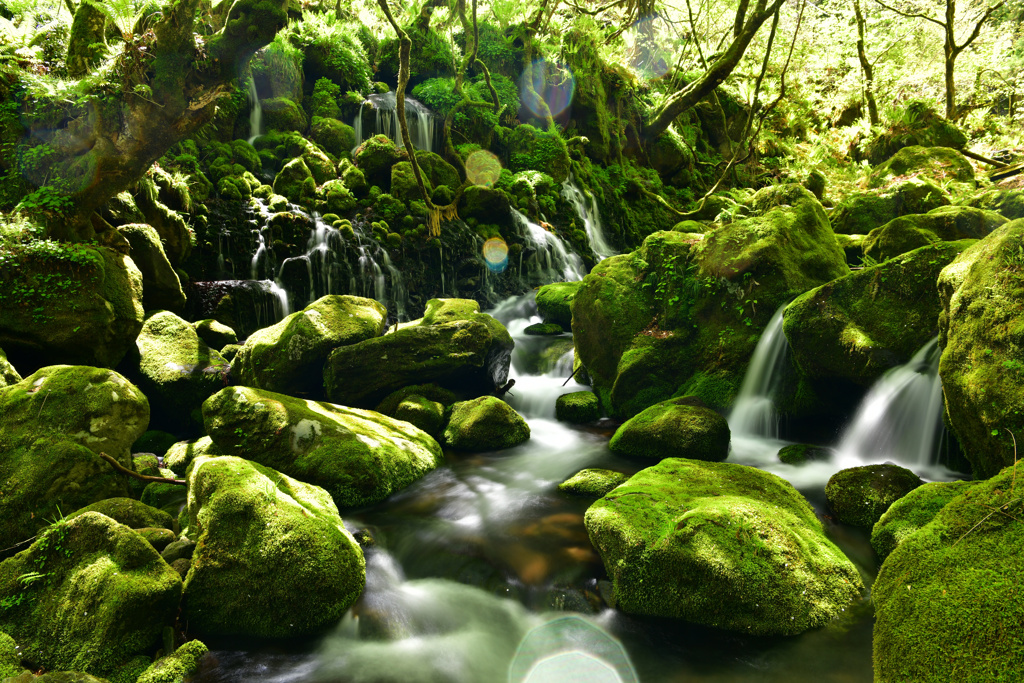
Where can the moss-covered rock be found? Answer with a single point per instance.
(375, 157)
(912, 512)
(295, 181)
(945, 224)
(800, 453)
(857, 327)
(862, 212)
(68, 304)
(8, 375)
(176, 369)
(723, 545)
(216, 334)
(484, 424)
(918, 124)
(592, 483)
(289, 357)
(939, 164)
(484, 204)
(10, 657)
(280, 539)
(860, 495)
(453, 345)
(161, 287)
(554, 302)
(283, 114)
(335, 197)
(132, 513)
(543, 329)
(359, 456)
(157, 537)
(104, 596)
(579, 407)
(527, 148)
(646, 324)
(180, 455)
(981, 333)
(676, 428)
(947, 603)
(176, 667)
(334, 136)
(1009, 203)
(421, 412)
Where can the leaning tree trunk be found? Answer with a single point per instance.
(168, 86)
(866, 66)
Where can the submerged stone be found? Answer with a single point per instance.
(592, 483)
(723, 545)
(579, 407)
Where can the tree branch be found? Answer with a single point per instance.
(141, 477)
(910, 15)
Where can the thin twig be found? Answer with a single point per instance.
(141, 477)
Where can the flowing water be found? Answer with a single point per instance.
(256, 114)
(482, 572)
(586, 209)
(424, 128)
(549, 259)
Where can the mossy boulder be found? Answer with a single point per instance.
(288, 357)
(55, 423)
(453, 345)
(801, 453)
(939, 164)
(543, 329)
(981, 334)
(860, 495)
(334, 136)
(132, 513)
(161, 288)
(485, 204)
(857, 327)
(280, 539)
(216, 334)
(403, 183)
(176, 369)
(592, 483)
(359, 456)
(723, 545)
(295, 181)
(862, 212)
(947, 602)
(918, 124)
(176, 667)
(8, 375)
(526, 148)
(105, 597)
(375, 157)
(648, 325)
(180, 455)
(421, 412)
(10, 657)
(676, 428)
(283, 114)
(554, 302)
(1008, 202)
(68, 304)
(484, 424)
(335, 197)
(912, 512)
(944, 224)
(579, 407)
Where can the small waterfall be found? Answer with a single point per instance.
(591, 217)
(256, 115)
(423, 124)
(900, 419)
(552, 261)
(754, 414)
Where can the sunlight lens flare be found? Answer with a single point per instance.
(570, 650)
(496, 254)
(554, 84)
(483, 168)
(649, 58)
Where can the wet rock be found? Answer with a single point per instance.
(723, 545)
(182, 549)
(177, 667)
(912, 512)
(422, 412)
(484, 424)
(860, 495)
(944, 224)
(375, 157)
(592, 483)
(359, 456)
(215, 334)
(543, 329)
(289, 357)
(800, 453)
(579, 407)
(676, 428)
(554, 302)
(251, 521)
(161, 288)
(295, 181)
(106, 597)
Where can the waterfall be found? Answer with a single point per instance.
(591, 217)
(256, 115)
(423, 128)
(754, 414)
(900, 419)
(552, 261)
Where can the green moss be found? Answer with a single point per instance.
(944, 224)
(10, 658)
(431, 392)
(421, 412)
(131, 513)
(917, 124)
(677, 428)
(249, 521)
(176, 667)
(592, 483)
(543, 329)
(527, 148)
(484, 424)
(214, 333)
(723, 545)
(291, 181)
(375, 157)
(801, 453)
(861, 213)
(180, 455)
(860, 495)
(940, 164)
(579, 406)
(554, 302)
(359, 456)
(335, 197)
(947, 603)
(431, 57)
(283, 114)
(333, 136)
(912, 512)
(103, 597)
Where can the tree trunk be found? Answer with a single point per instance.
(87, 43)
(865, 65)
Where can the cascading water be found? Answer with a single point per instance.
(753, 413)
(900, 419)
(256, 114)
(423, 128)
(591, 217)
(551, 261)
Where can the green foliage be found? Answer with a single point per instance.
(332, 50)
(432, 56)
(324, 100)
